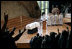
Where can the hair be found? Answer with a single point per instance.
(55, 10)
(43, 13)
(37, 34)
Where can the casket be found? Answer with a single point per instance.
(31, 31)
(32, 27)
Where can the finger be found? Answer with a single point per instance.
(19, 31)
(14, 28)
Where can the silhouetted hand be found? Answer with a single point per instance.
(12, 32)
(5, 23)
(20, 34)
(5, 18)
(14, 28)
(67, 29)
(58, 31)
(19, 31)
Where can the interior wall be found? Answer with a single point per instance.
(13, 8)
(17, 11)
(32, 8)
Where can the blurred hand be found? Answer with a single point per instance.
(58, 30)
(5, 18)
(19, 31)
(14, 28)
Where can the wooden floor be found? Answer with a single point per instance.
(24, 40)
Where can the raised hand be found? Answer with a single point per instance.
(58, 31)
(5, 18)
(5, 23)
(67, 29)
(19, 31)
(20, 34)
(12, 32)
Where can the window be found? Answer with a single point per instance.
(44, 6)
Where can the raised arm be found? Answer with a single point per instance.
(12, 32)
(67, 29)
(58, 31)
(19, 35)
(5, 22)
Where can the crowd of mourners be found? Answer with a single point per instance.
(60, 40)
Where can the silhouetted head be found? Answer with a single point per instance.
(43, 13)
(67, 28)
(65, 33)
(46, 36)
(43, 37)
(37, 34)
(53, 34)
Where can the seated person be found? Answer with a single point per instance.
(56, 17)
(55, 11)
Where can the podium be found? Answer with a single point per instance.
(44, 25)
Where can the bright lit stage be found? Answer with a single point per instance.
(24, 40)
